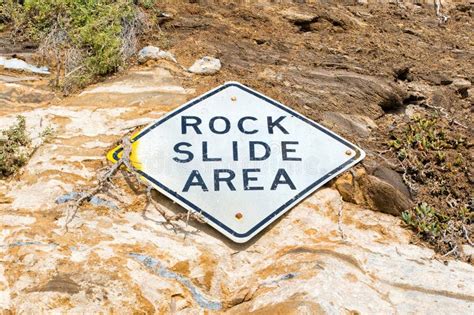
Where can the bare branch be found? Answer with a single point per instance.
(466, 236)
(105, 181)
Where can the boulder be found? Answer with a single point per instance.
(342, 91)
(384, 191)
(393, 178)
(206, 65)
(382, 196)
(461, 84)
(154, 53)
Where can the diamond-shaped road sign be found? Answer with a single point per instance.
(238, 158)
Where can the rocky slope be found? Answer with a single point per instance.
(330, 254)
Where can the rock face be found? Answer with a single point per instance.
(326, 255)
(311, 87)
(20, 93)
(349, 124)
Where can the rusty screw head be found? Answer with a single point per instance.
(239, 215)
(348, 152)
(233, 98)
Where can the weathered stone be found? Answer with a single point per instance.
(369, 96)
(460, 83)
(416, 93)
(18, 64)
(349, 124)
(382, 196)
(393, 178)
(154, 53)
(384, 191)
(60, 283)
(295, 16)
(348, 187)
(438, 78)
(319, 19)
(20, 95)
(206, 65)
(462, 86)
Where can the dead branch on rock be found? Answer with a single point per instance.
(452, 251)
(131, 29)
(466, 236)
(169, 219)
(105, 182)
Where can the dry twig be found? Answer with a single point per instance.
(452, 251)
(466, 235)
(105, 181)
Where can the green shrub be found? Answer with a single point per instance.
(14, 147)
(86, 38)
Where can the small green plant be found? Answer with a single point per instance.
(426, 220)
(436, 162)
(15, 144)
(445, 231)
(424, 143)
(47, 134)
(147, 4)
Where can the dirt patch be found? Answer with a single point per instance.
(60, 283)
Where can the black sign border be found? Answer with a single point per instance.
(287, 204)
